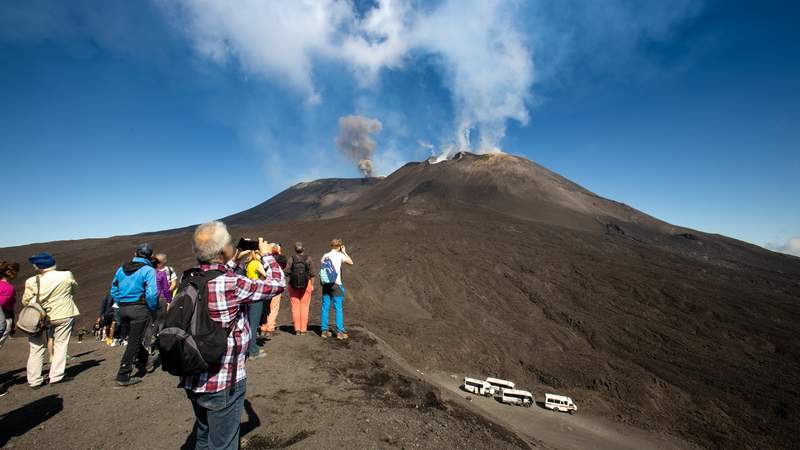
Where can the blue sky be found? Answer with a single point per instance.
(122, 117)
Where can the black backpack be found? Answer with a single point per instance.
(189, 340)
(298, 274)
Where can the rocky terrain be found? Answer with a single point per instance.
(493, 265)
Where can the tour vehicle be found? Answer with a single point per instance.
(517, 397)
(559, 403)
(479, 387)
(500, 385)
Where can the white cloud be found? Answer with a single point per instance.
(274, 39)
(486, 63)
(791, 246)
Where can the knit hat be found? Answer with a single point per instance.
(42, 260)
(144, 251)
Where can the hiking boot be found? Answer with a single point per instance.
(267, 334)
(325, 334)
(37, 387)
(129, 382)
(342, 336)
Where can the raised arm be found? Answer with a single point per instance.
(347, 259)
(274, 283)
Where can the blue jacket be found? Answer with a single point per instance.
(134, 281)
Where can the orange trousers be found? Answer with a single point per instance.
(301, 300)
(272, 318)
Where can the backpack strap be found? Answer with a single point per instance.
(39, 301)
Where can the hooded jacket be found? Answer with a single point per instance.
(134, 282)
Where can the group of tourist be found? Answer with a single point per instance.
(243, 298)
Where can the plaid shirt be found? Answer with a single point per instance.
(228, 296)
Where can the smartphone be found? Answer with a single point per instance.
(247, 244)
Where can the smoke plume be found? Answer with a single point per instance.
(479, 47)
(355, 142)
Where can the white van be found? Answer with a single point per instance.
(479, 387)
(500, 385)
(559, 403)
(517, 397)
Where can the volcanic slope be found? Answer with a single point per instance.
(493, 265)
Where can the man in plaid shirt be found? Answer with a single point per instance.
(217, 395)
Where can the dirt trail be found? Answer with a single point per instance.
(557, 430)
(307, 393)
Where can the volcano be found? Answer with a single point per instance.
(494, 265)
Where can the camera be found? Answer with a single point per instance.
(247, 244)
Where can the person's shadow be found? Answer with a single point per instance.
(25, 418)
(12, 378)
(252, 423)
(290, 329)
(74, 371)
(253, 420)
(19, 376)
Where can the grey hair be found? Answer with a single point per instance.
(209, 241)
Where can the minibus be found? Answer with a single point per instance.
(559, 403)
(479, 387)
(517, 397)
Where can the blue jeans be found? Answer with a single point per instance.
(217, 417)
(337, 292)
(254, 316)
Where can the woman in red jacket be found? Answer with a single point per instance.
(8, 297)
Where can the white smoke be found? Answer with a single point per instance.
(355, 141)
(790, 247)
(489, 68)
(483, 55)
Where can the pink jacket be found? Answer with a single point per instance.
(8, 297)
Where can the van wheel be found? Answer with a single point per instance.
(571, 412)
